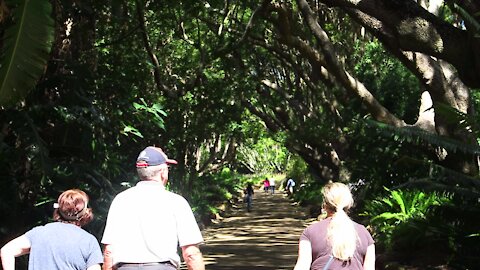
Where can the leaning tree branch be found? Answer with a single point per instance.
(418, 30)
(146, 42)
(442, 83)
(329, 59)
(437, 76)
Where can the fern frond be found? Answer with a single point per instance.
(397, 195)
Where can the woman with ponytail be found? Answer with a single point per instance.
(336, 242)
(59, 245)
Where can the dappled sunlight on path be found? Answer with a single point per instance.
(265, 238)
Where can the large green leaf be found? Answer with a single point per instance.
(26, 46)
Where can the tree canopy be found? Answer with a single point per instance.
(378, 92)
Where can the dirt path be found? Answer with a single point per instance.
(265, 238)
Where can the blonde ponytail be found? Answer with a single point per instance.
(341, 232)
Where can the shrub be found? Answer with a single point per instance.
(406, 224)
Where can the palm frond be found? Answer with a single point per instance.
(431, 185)
(416, 135)
(27, 44)
(454, 116)
(449, 176)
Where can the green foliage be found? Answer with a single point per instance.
(255, 179)
(155, 112)
(298, 170)
(263, 155)
(414, 135)
(410, 223)
(98, 105)
(309, 194)
(404, 205)
(388, 80)
(26, 44)
(389, 215)
(368, 147)
(211, 192)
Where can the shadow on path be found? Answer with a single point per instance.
(265, 238)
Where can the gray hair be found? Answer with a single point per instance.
(147, 173)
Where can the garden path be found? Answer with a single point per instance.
(264, 238)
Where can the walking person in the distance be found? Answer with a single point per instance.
(272, 184)
(290, 186)
(266, 185)
(249, 196)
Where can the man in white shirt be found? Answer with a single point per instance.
(272, 185)
(290, 185)
(146, 223)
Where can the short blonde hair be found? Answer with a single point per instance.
(341, 232)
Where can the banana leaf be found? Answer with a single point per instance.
(27, 43)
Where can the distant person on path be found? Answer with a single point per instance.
(266, 185)
(59, 245)
(336, 242)
(272, 185)
(146, 223)
(290, 185)
(249, 196)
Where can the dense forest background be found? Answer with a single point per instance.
(381, 94)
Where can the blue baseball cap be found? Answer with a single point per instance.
(153, 156)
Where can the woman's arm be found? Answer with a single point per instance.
(17, 247)
(369, 262)
(304, 260)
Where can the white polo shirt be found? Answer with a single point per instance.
(147, 223)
